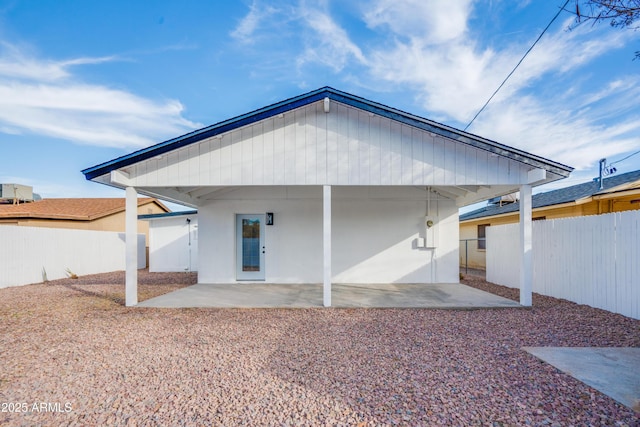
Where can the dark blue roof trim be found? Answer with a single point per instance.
(167, 214)
(317, 95)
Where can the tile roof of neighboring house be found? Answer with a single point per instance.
(574, 193)
(87, 209)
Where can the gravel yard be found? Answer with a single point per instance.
(72, 354)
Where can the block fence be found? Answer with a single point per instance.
(27, 254)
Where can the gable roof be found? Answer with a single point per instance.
(339, 96)
(563, 195)
(87, 209)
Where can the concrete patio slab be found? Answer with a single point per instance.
(261, 295)
(612, 371)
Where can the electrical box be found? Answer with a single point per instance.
(431, 232)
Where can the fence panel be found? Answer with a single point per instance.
(503, 261)
(29, 254)
(593, 260)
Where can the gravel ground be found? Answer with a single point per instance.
(72, 354)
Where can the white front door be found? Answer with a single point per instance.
(250, 247)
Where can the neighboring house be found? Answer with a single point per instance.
(102, 214)
(618, 193)
(326, 187)
(173, 241)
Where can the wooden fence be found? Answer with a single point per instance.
(29, 254)
(593, 260)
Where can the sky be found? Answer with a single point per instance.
(83, 82)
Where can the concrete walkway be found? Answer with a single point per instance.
(612, 371)
(261, 295)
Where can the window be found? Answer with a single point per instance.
(482, 243)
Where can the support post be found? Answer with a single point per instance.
(526, 231)
(131, 241)
(326, 245)
(466, 256)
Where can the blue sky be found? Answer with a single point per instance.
(83, 82)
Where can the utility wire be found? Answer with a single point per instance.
(517, 65)
(621, 160)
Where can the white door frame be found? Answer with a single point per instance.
(250, 266)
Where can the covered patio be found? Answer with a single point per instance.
(328, 188)
(263, 295)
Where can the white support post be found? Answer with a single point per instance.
(326, 245)
(131, 239)
(526, 231)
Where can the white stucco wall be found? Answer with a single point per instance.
(374, 232)
(173, 244)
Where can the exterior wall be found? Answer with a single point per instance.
(173, 244)
(346, 146)
(374, 233)
(606, 204)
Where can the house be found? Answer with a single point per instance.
(327, 187)
(102, 214)
(618, 193)
(173, 241)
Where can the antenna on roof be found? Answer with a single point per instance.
(605, 170)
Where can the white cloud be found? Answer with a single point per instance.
(15, 64)
(44, 97)
(330, 44)
(247, 27)
(555, 104)
(556, 131)
(453, 76)
(433, 22)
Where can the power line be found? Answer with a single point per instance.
(621, 160)
(517, 65)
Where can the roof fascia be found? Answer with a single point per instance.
(167, 215)
(339, 96)
(631, 185)
(619, 193)
(535, 210)
(51, 217)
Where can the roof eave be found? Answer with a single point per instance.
(558, 169)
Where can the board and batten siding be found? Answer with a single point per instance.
(346, 146)
(589, 260)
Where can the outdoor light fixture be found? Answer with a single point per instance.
(269, 219)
